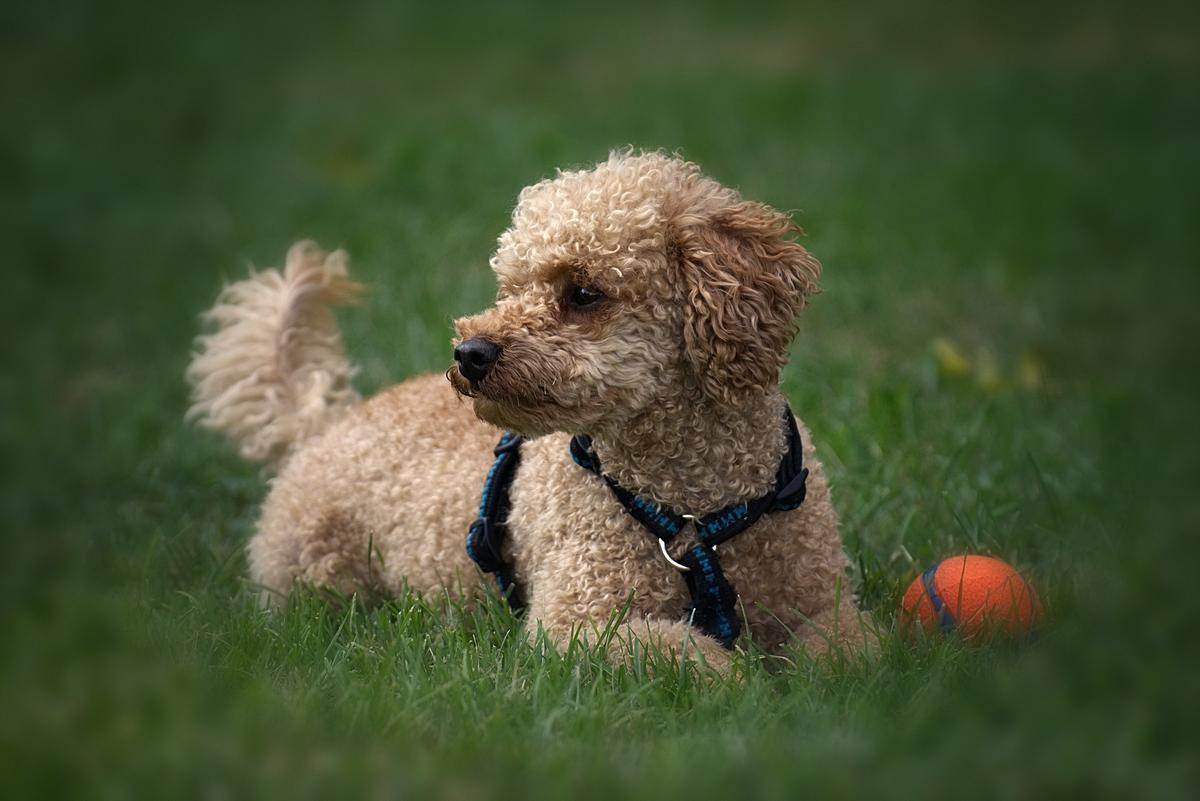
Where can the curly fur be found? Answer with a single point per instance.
(675, 376)
(274, 371)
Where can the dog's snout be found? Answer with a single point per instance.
(475, 357)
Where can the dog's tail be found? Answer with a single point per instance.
(274, 371)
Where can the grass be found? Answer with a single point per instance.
(1018, 181)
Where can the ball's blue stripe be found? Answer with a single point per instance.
(938, 605)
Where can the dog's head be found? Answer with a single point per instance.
(626, 284)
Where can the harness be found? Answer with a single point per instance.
(713, 607)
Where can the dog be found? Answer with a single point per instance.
(642, 304)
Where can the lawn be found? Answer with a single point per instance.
(1007, 204)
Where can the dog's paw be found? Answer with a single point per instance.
(658, 642)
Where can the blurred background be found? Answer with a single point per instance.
(1004, 196)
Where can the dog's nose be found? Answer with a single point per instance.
(475, 357)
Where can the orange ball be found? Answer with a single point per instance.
(977, 596)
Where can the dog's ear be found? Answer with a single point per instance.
(744, 281)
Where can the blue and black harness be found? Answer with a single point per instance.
(713, 607)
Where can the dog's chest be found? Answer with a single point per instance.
(570, 537)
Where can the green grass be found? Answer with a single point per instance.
(1021, 181)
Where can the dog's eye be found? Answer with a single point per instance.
(581, 296)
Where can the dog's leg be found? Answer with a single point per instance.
(674, 640)
(647, 640)
(309, 533)
(329, 550)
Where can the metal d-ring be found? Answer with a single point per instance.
(662, 546)
(680, 566)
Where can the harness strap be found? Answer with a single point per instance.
(662, 523)
(485, 537)
(791, 485)
(713, 607)
(714, 600)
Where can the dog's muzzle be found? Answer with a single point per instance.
(476, 357)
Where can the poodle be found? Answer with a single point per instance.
(641, 304)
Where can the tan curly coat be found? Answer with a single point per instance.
(674, 373)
